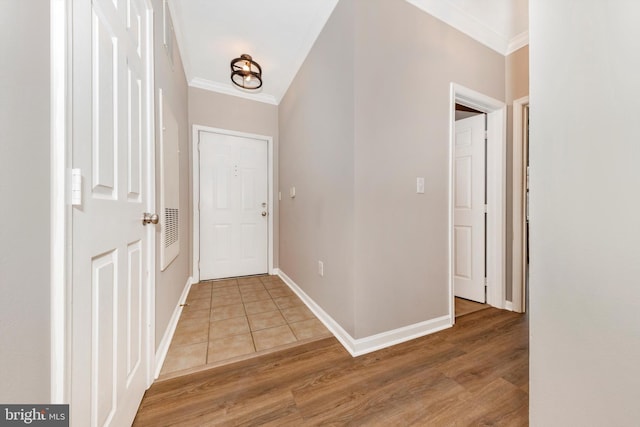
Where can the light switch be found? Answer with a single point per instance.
(420, 185)
(76, 187)
(292, 192)
(279, 195)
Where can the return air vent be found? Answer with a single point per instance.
(171, 220)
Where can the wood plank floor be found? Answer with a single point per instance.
(475, 373)
(464, 306)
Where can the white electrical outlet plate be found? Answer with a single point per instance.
(420, 185)
(321, 268)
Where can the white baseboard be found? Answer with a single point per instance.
(360, 346)
(163, 349)
(333, 326)
(400, 335)
(508, 305)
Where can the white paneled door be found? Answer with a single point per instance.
(469, 209)
(111, 262)
(233, 206)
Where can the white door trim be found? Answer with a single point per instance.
(496, 189)
(518, 217)
(151, 196)
(195, 176)
(60, 219)
(61, 214)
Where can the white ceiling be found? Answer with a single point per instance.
(280, 33)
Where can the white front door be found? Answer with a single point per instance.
(233, 206)
(469, 209)
(111, 262)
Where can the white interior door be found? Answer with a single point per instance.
(233, 206)
(111, 261)
(469, 209)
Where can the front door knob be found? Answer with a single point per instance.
(148, 218)
(264, 213)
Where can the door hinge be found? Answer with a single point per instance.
(486, 208)
(486, 135)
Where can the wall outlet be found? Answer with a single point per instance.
(321, 268)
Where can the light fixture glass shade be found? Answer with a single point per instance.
(246, 73)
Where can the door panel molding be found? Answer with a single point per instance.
(195, 170)
(496, 189)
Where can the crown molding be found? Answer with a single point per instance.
(227, 89)
(463, 22)
(519, 41)
(470, 26)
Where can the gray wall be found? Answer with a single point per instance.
(316, 120)
(217, 110)
(25, 195)
(368, 113)
(585, 151)
(402, 132)
(517, 86)
(171, 79)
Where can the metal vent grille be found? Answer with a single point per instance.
(171, 216)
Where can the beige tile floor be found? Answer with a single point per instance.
(233, 319)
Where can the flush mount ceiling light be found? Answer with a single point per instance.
(246, 73)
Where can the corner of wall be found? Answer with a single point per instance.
(360, 346)
(170, 77)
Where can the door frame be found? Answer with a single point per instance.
(61, 214)
(519, 218)
(496, 190)
(195, 199)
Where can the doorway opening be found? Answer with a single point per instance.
(470, 198)
(494, 197)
